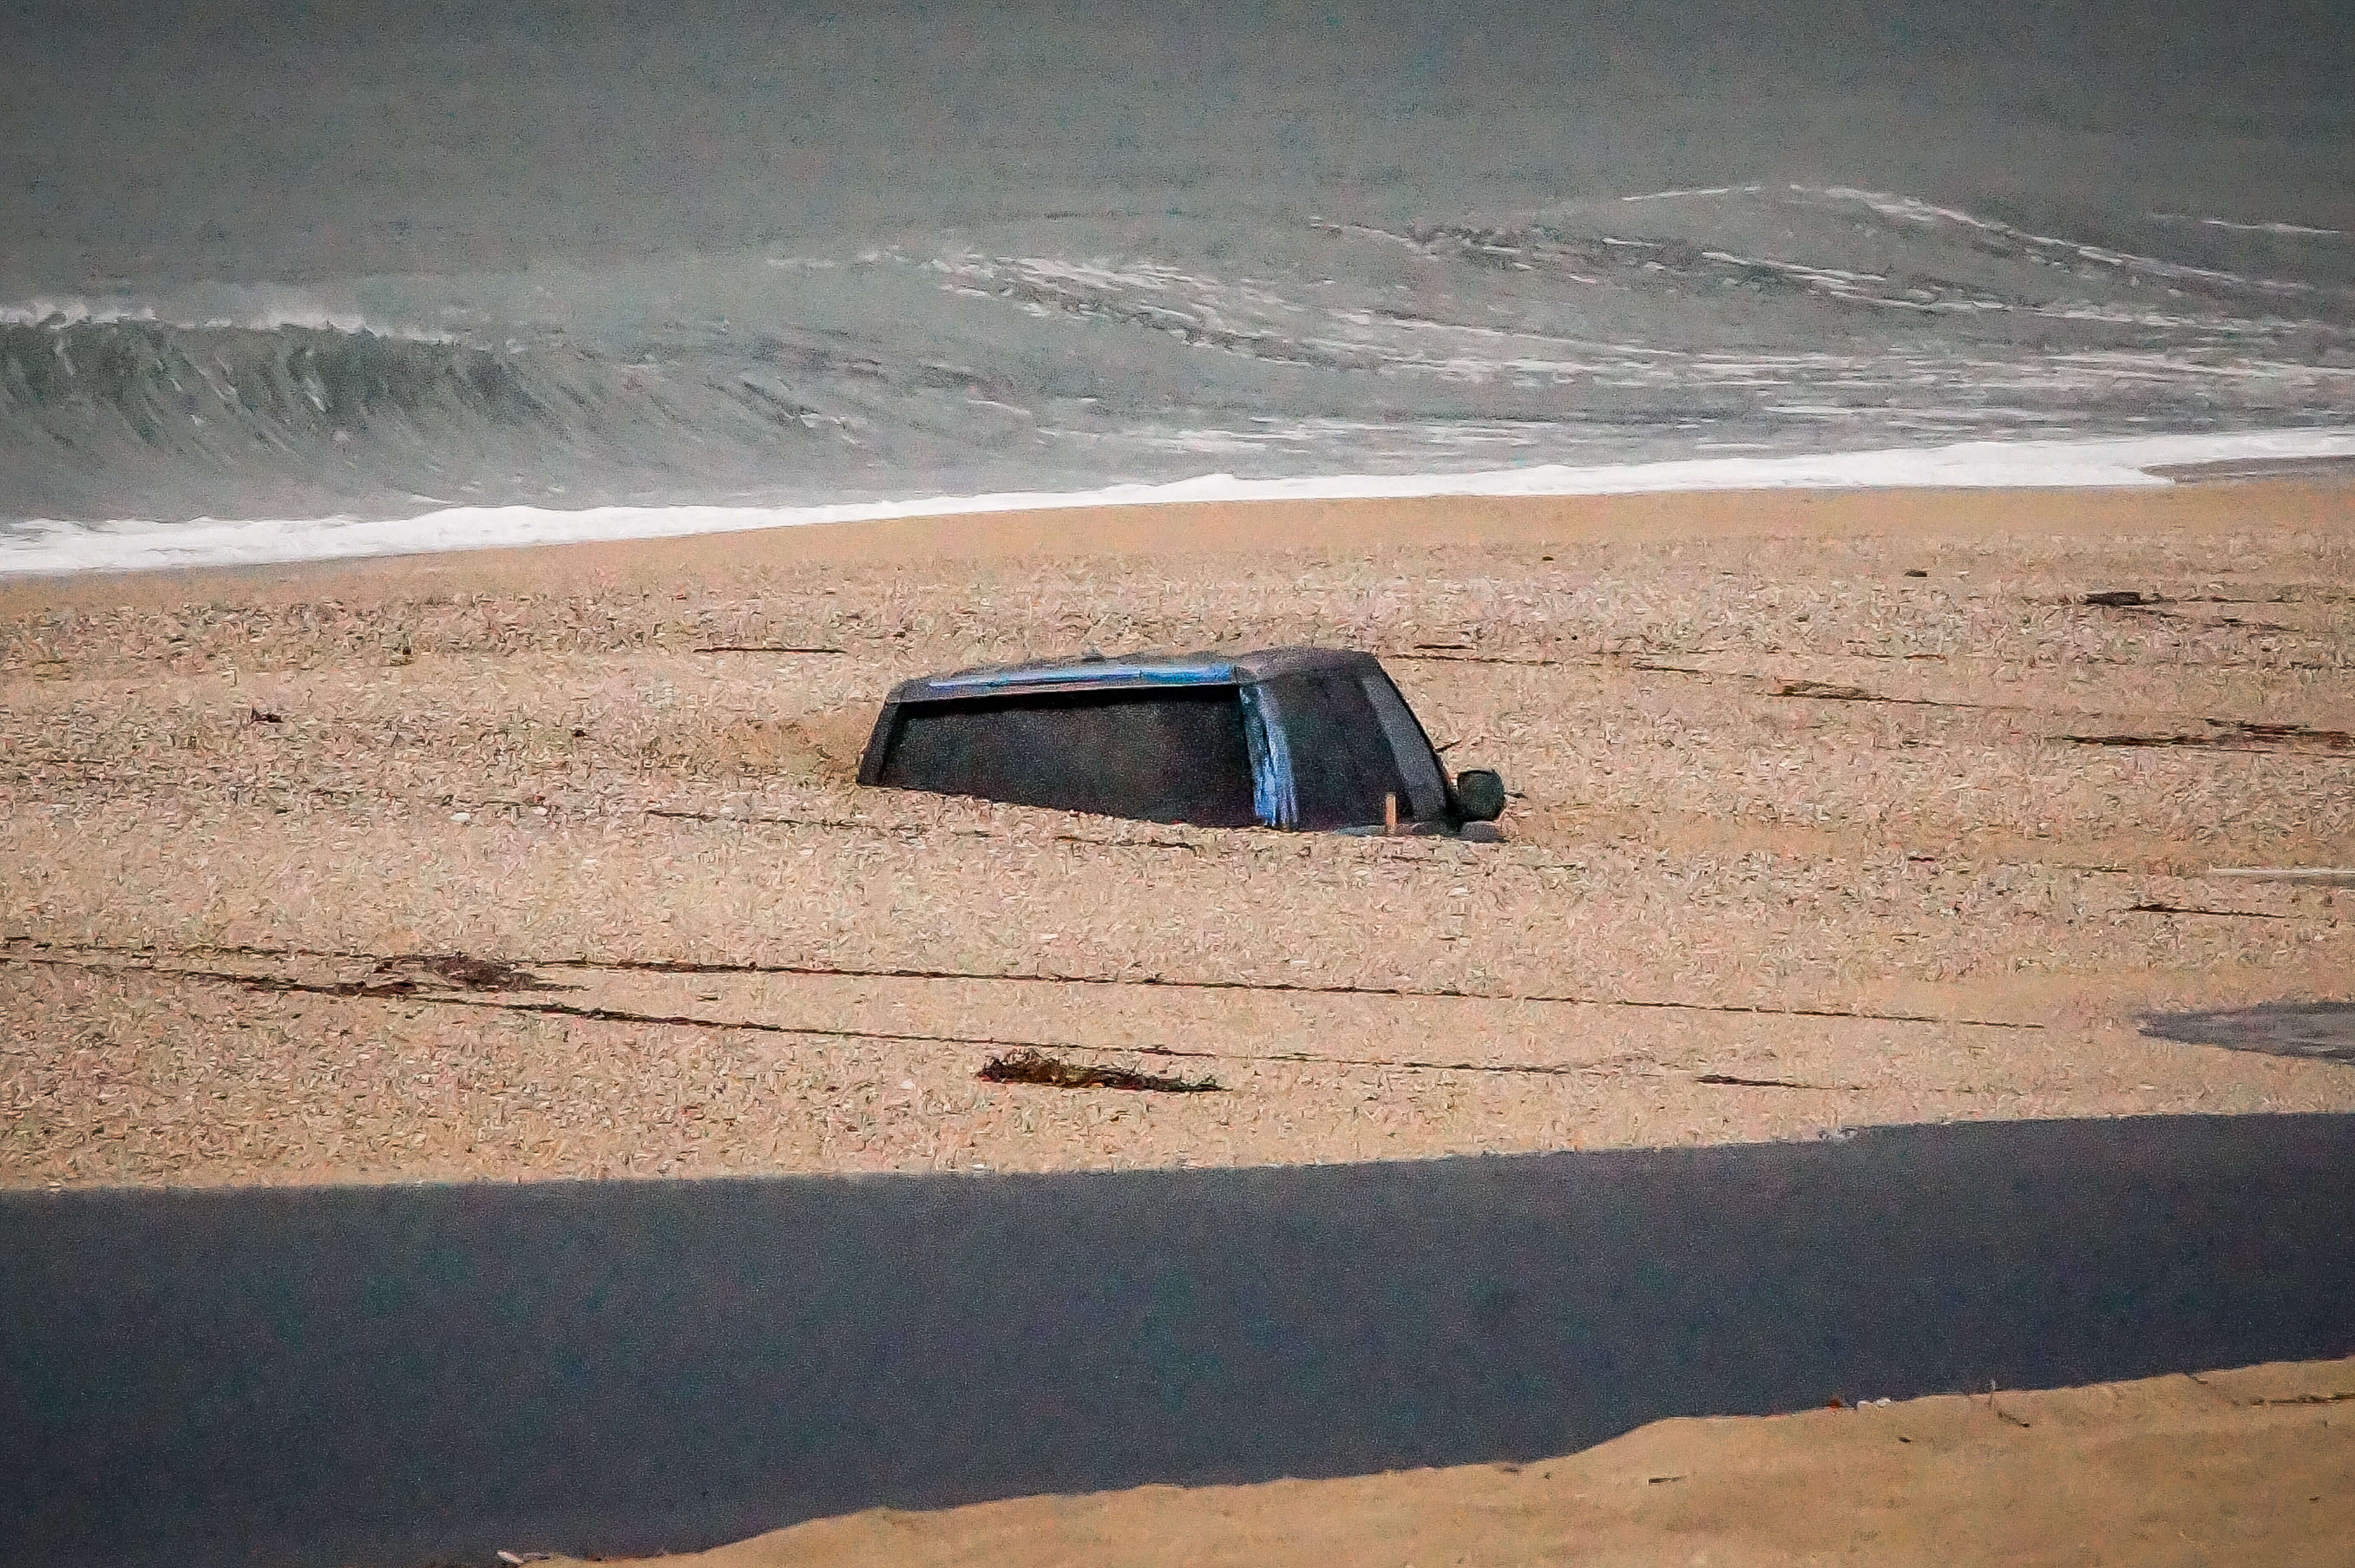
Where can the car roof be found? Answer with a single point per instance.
(1131, 671)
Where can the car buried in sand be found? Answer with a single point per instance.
(1301, 738)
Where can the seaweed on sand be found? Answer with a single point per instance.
(1028, 1066)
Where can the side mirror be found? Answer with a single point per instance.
(1479, 794)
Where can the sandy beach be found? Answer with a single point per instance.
(1832, 808)
(1845, 797)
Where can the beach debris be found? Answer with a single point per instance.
(1916, 572)
(769, 648)
(1825, 691)
(453, 972)
(2319, 876)
(2232, 735)
(1028, 1066)
(1729, 1080)
(2129, 599)
(263, 716)
(2187, 909)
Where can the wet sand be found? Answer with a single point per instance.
(2249, 1466)
(1802, 841)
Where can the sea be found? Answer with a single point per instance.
(298, 279)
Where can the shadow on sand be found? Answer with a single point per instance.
(392, 1375)
(2323, 1030)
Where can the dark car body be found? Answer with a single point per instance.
(1296, 738)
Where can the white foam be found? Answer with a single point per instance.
(2299, 230)
(56, 547)
(267, 315)
(1697, 190)
(74, 311)
(1913, 209)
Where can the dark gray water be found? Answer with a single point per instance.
(405, 253)
(393, 1375)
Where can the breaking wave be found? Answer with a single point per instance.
(292, 383)
(105, 415)
(1073, 352)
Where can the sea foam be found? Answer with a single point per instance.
(44, 547)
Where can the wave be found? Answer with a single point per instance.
(291, 381)
(100, 411)
(1078, 351)
(74, 310)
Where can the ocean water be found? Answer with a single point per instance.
(379, 261)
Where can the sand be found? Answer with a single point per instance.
(2251, 1466)
(1831, 810)
(1802, 841)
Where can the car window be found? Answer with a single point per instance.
(1343, 759)
(1426, 786)
(1167, 755)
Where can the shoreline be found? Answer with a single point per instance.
(2322, 454)
(1173, 530)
